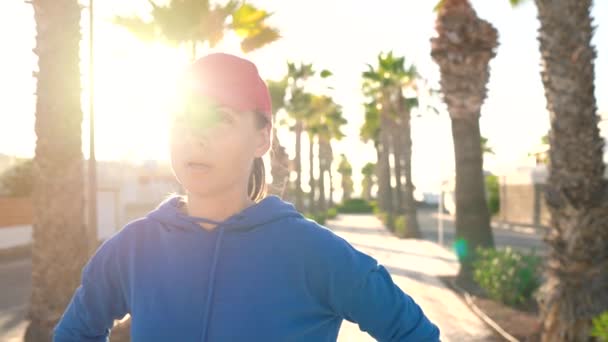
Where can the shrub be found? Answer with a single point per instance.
(600, 327)
(401, 226)
(387, 219)
(332, 213)
(17, 181)
(493, 194)
(320, 218)
(506, 275)
(355, 206)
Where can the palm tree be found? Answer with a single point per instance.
(278, 156)
(312, 134)
(386, 85)
(576, 282)
(346, 171)
(411, 216)
(463, 49)
(298, 108)
(197, 22)
(59, 237)
(485, 147)
(327, 128)
(368, 181)
(326, 156)
(371, 131)
(312, 123)
(376, 127)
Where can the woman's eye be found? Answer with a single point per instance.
(224, 116)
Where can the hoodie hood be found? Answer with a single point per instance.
(269, 209)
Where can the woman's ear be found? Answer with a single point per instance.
(263, 141)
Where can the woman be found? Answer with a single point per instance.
(225, 262)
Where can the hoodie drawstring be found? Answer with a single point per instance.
(211, 284)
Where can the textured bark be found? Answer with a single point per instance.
(298, 165)
(397, 141)
(279, 167)
(463, 49)
(311, 169)
(331, 188)
(59, 248)
(384, 171)
(576, 277)
(325, 158)
(413, 229)
(472, 216)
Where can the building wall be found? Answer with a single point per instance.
(522, 199)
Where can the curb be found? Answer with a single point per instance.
(15, 253)
(519, 228)
(479, 313)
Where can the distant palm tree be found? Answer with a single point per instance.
(59, 248)
(278, 156)
(325, 125)
(463, 49)
(386, 85)
(346, 171)
(298, 108)
(197, 22)
(370, 131)
(368, 180)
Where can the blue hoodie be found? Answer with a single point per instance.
(264, 274)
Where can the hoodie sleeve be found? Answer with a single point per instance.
(97, 302)
(360, 290)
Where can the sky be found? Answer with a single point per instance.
(134, 80)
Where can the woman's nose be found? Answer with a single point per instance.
(200, 139)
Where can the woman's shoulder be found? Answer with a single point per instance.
(130, 232)
(308, 234)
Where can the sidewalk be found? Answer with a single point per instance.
(415, 266)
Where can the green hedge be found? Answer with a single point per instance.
(356, 206)
(401, 226)
(506, 275)
(332, 213)
(387, 219)
(320, 218)
(600, 327)
(493, 192)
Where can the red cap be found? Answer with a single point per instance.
(231, 81)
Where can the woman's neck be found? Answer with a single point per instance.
(216, 207)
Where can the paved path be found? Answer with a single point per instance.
(15, 288)
(414, 266)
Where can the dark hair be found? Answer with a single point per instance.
(257, 187)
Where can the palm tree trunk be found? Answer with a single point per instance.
(330, 161)
(59, 248)
(298, 162)
(384, 171)
(472, 217)
(311, 168)
(279, 167)
(367, 188)
(413, 229)
(576, 281)
(398, 170)
(463, 49)
(323, 168)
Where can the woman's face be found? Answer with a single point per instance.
(213, 148)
